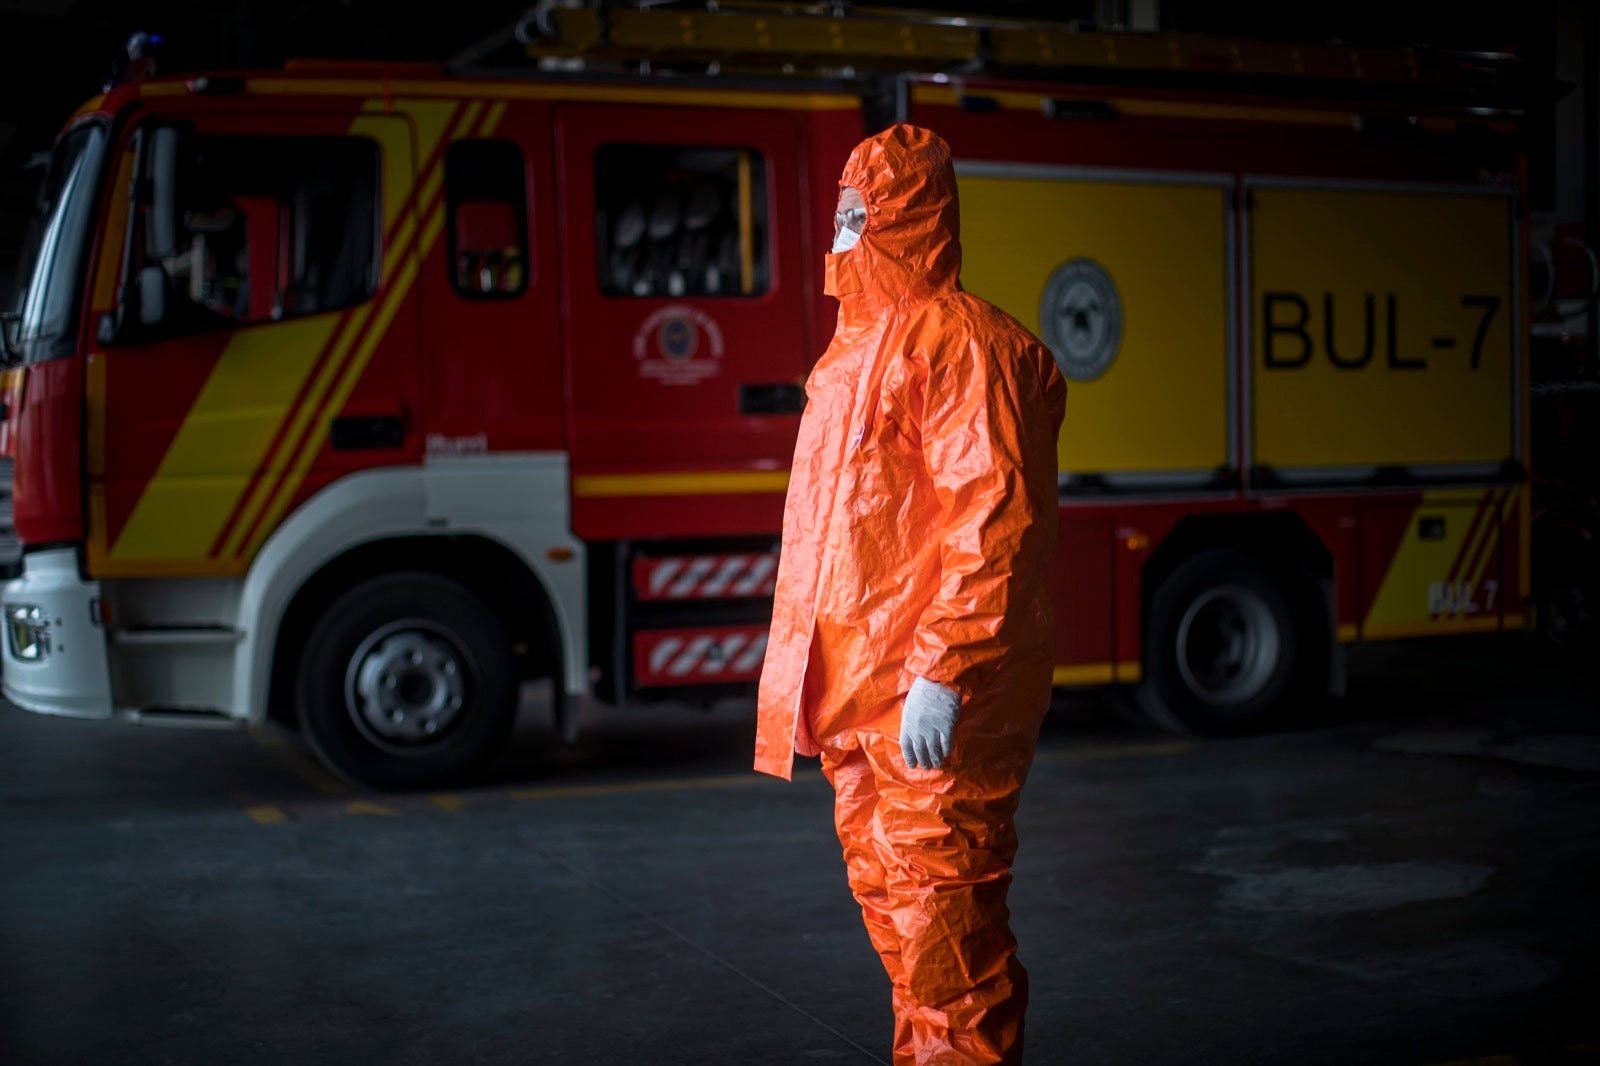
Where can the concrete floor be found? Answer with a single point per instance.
(1414, 883)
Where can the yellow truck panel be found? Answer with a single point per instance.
(1144, 267)
(1381, 328)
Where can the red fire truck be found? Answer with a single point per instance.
(353, 395)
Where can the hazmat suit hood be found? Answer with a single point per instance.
(910, 245)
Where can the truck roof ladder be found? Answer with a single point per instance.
(810, 39)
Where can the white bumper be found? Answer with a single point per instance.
(54, 611)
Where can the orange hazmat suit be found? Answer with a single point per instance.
(921, 511)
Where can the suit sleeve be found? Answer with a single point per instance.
(988, 428)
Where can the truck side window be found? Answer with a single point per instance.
(681, 221)
(272, 228)
(486, 186)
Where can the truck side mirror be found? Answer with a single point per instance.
(162, 233)
(152, 296)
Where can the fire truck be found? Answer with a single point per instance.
(354, 395)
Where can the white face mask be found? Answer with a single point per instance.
(850, 225)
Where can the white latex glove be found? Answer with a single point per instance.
(926, 724)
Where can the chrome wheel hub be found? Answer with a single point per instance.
(1228, 645)
(406, 685)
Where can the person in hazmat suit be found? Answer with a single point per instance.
(911, 641)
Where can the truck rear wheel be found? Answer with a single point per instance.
(407, 681)
(1222, 648)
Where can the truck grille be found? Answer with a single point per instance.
(10, 546)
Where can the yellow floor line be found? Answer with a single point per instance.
(298, 764)
(268, 814)
(687, 784)
(363, 807)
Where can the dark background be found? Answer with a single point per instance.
(58, 52)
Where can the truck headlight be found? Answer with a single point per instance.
(28, 630)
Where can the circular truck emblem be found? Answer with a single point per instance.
(1080, 318)
(676, 338)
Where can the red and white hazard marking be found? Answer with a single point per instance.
(698, 656)
(705, 577)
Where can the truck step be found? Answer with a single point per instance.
(187, 635)
(180, 718)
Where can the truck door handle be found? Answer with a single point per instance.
(367, 433)
(776, 398)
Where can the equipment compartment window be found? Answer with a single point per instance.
(271, 228)
(486, 185)
(675, 221)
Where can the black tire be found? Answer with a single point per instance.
(1226, 651)
(406, 681)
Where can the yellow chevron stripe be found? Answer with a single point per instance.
(395, 141)
(262, 489)
(432, 120)
(1495, 522)
(431, 185)
(492, 114)
(221, 450)
(312, 446)
(1487, 533)
(429, 201)
(223, 440)
(1402, 600)
(497, 111)
(1401, 607)
(326, 374)
(398, 250)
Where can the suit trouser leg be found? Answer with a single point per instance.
(855, 809)
(929, 853)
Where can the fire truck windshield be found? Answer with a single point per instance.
(52, 261)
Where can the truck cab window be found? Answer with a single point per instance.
(50, 277)
(271, 228)
(486, 186)
(681, 221)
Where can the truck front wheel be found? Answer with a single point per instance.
(407, 681)
(1222, 651)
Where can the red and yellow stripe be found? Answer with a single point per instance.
(1465, 556)
(253, 433)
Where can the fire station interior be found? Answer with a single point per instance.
(392, 511)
